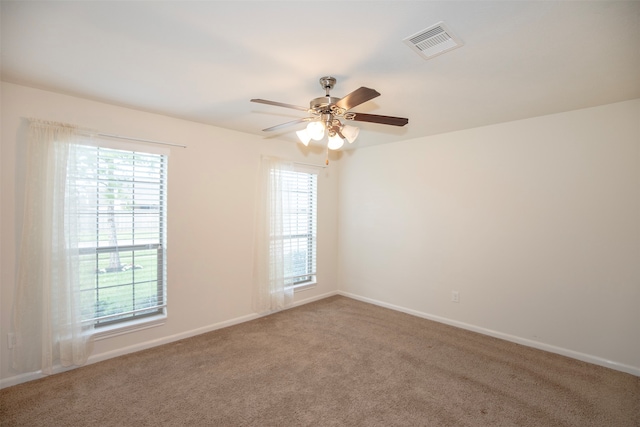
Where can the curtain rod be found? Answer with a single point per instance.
(129, 138)
(92, 132)
(310, 164)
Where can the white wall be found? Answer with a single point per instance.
(211, 199)
(536, 223)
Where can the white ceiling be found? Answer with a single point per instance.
(204, 61)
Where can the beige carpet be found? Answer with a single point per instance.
(332, 362)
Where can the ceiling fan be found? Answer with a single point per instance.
(326, 112)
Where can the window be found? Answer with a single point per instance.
(299, 204)
(285, 233)
(121, 233)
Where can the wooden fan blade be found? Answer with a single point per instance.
(384, 120)
(357, 97)
(280, 104)
(282, 125)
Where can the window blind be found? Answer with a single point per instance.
(299, 226)
(122, 233)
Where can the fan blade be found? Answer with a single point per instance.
(357, 97)
(384, 120)
(280, 104)
(282, 125)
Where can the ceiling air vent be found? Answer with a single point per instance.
(433, 41)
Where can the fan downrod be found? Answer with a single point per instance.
(323, 104)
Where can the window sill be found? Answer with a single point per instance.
(304, 287)
(126, 328)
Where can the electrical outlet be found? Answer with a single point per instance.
(455, 296)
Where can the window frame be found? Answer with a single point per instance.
(103, 326)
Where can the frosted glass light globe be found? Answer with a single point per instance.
(303, 136)
(350, 132)
(315, 130)
(335, 142)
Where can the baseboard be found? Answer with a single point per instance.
(30, 376)
(22, 378)
(316, 298)
(633, 370)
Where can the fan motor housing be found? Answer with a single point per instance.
(322, 103)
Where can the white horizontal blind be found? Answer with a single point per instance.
(299, 226)
(122, 223)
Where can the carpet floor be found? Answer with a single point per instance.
(334, 362)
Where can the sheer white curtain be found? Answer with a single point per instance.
(47, 318)
(270, 292)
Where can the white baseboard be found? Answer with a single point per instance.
(22, 378)
(95, 358)
(633, 370)
(30, 376)
(316, 298)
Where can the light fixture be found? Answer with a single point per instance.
(336, 132)
(335, 142)
(350, 132)
(315, 130)
(304, 137)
